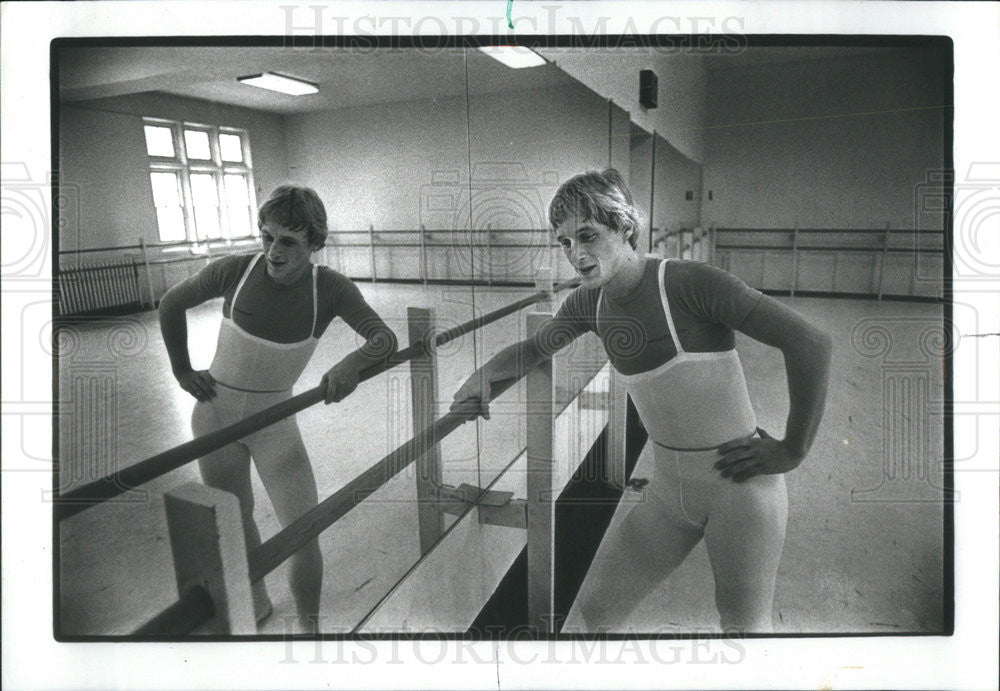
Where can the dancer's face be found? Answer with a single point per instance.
(287, 253)
(596, 252)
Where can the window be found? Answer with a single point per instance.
(202, 181)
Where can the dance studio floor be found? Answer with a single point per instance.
(864, 549)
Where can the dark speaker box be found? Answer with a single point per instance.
(647, 88)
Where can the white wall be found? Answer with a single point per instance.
(102, 156)
(380, 165)
(614, 74)
(837, 143)
(639, 180)
(102, 153)
(676, 175)
(400, 166)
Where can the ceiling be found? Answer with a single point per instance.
(347, 77)
(760, 56)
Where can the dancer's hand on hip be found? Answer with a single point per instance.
(198, 383)
(749, 456)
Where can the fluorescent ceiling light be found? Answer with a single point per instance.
(514, 56)
(279, 82)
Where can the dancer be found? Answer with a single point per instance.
(668, 328)
(277, 304)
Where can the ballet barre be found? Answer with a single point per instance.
(198, 604)
(115, 484)
(215, 573)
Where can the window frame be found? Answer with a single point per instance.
(184, 167)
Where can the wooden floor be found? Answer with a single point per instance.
(864, 549)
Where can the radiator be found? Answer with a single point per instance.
(103, 287)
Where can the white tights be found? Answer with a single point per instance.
(743, 525)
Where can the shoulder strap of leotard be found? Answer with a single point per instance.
(315, 279)
(666, 306)
(243, 279)
(597, 312)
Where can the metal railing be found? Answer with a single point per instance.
(485, 256)
(781, 250)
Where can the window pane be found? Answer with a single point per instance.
(169, 214)
(196, 142)
(171, 224)
(238, 203)
(239, 222)
(206, 205)
(203, 189)
(230, 147)
(237, 193)
(159, 141)
(164, 189)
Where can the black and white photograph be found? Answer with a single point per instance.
(462, 334)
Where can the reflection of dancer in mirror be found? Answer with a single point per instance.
(276, 306)
(667, 326)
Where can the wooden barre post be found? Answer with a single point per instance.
(489, 255)
(149, 276)
(541, 501)
(206, 537)
(423, 254)
(614, 467)
(544, 284)
(795, 258)
(886, 239)
(423, 398)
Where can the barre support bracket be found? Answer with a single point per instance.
(495, 507)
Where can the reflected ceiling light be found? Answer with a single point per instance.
(281, 83)
(514, 56)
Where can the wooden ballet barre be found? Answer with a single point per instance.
(271, 554)
(462, 329)
(194, 608)
(119, 482)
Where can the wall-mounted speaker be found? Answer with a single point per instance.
(647, 88)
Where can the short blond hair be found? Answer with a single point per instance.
(597, 195)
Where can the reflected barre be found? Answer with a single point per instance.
(194, 609)
(289, 540)
(119, 482)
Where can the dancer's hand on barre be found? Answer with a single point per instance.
(198, 383)
(476, 388)
(502, 370)
(744, 458)
(340, 380)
